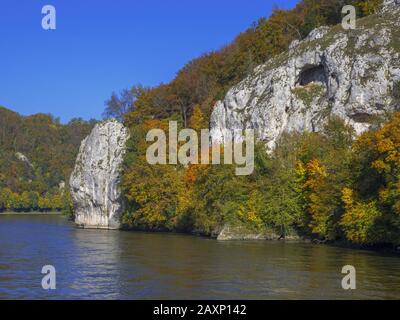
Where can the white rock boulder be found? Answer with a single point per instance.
(95, 180)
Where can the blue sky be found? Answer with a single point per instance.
(103, 46)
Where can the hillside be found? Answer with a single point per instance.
(207, 79)
(37, 154)
(352, 74)
(324, 103)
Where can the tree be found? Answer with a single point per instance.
(44, 203)
(25, 201)
(152, 191)
(369, 7)
(376, 161)
(3, 200)
(315, 184)
(34, 200)
(118, 105)
(67, 206)
(7, 199)
(56, 202)
(359, 219)
(197, 120)
(282, 205)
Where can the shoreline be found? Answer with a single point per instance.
(337, 243)
(380, 249)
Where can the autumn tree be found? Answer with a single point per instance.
(376, 161)
(359, 219)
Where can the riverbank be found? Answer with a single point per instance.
(340, 244)
(383, 248)
(269, 237)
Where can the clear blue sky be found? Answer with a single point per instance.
(103, 46)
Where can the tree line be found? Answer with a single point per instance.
(29, 201)
(329, 185)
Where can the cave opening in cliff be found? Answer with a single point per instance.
(312, 74)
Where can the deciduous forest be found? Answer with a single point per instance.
(329, 185)
(37, 154)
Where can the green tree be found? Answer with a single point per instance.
(25, 201)
(34, 200)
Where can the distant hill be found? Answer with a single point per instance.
(37, 152)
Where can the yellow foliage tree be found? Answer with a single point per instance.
(384, 145)
(359, 218)
(316, 179)
(197, 120)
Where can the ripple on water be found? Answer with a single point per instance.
(99, 264)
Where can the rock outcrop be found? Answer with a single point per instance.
(241, 232)
(20, 156)
(94, 181)
(354, 74)
(389, 5)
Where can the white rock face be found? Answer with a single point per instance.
(349, 73)
(20, 156)
(94, 181)
(389, 5)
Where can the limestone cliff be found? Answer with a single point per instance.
(94, 181)
(354, 74)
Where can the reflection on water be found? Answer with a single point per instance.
(98, 264)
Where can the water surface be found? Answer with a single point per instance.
(99, 264)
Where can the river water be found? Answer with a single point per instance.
(96, 264)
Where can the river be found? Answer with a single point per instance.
(96, 264)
